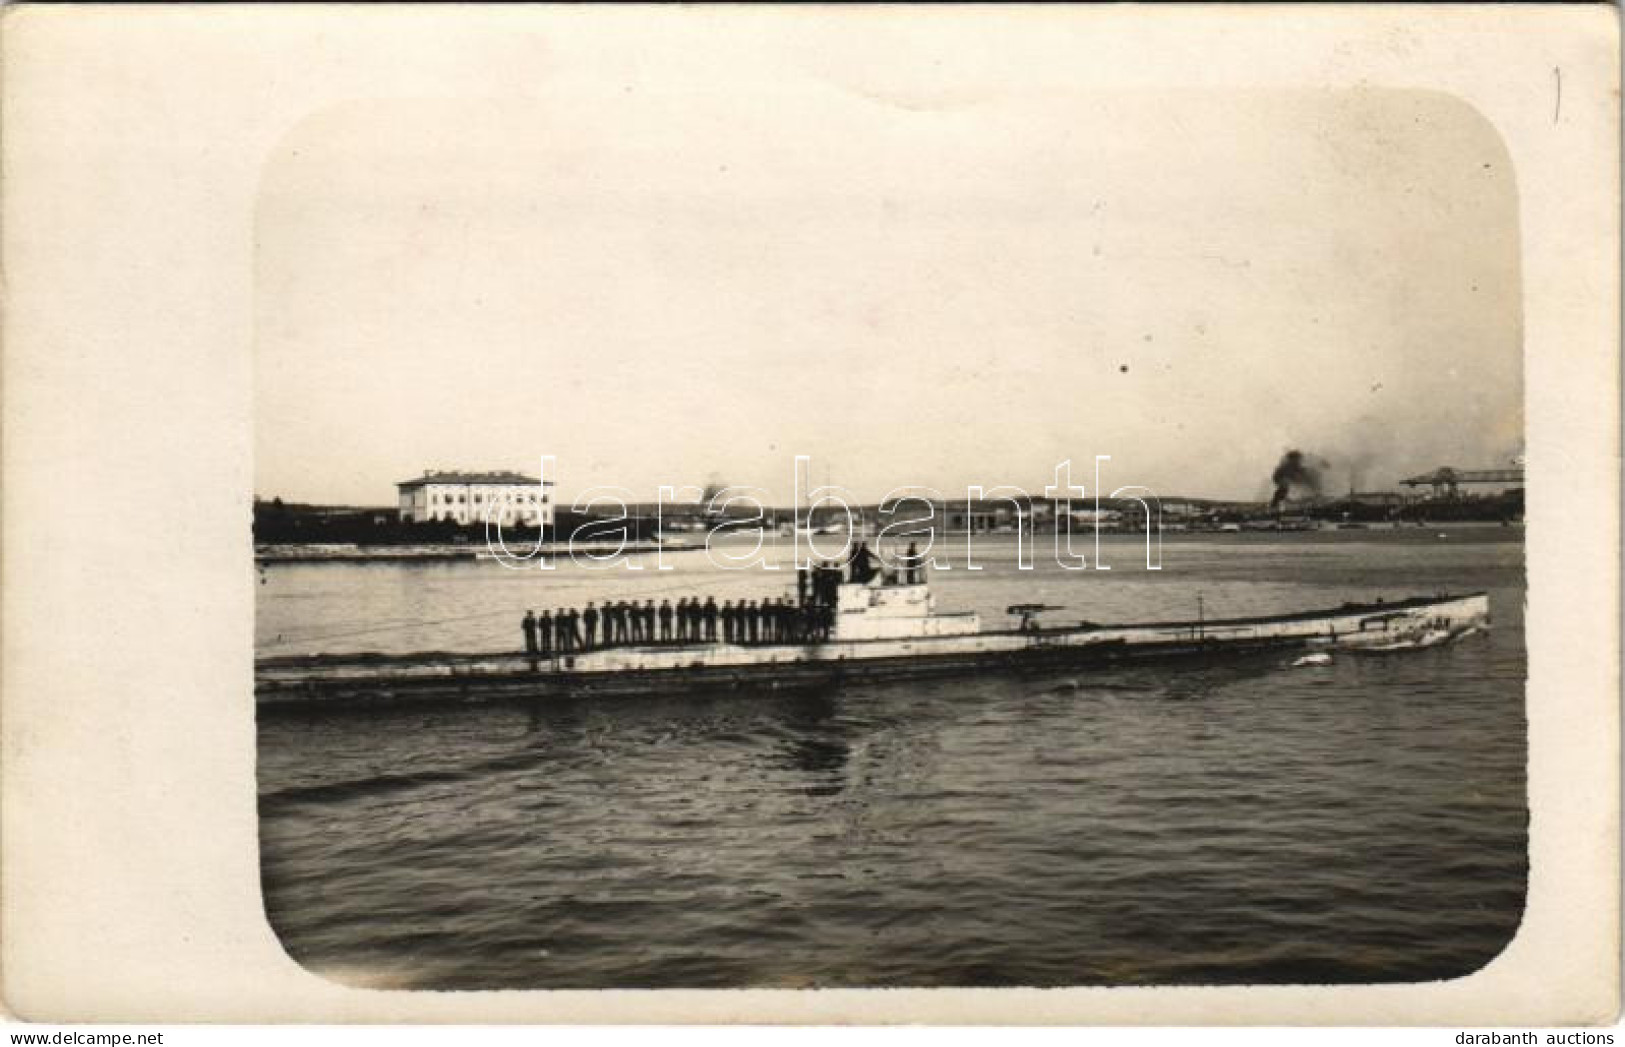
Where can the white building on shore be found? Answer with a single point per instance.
(510, 499)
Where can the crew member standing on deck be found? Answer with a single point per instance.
(589, 618)
(801, 586)
(913, 564)
(863, 564)
(709, 614)
(648, 621)
(726, 613)
(665, 621)
(544, 632)
(528, 625)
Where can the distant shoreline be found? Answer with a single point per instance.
(318, 552)
(350, 552)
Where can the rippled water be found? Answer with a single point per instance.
(1226, 823)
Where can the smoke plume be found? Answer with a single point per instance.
(1295, 470)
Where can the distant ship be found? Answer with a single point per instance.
(880, 632)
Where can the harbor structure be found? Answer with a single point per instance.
(1447, 480)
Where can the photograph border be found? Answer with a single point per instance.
(135, 139)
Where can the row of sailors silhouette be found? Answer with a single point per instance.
(621, 622)
(690, 620)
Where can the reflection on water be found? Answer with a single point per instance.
(1233, 822)
(815, 743)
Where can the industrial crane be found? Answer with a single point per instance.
(1445, 479)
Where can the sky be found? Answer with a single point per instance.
(682, 278)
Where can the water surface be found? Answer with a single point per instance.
(1177, 824)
